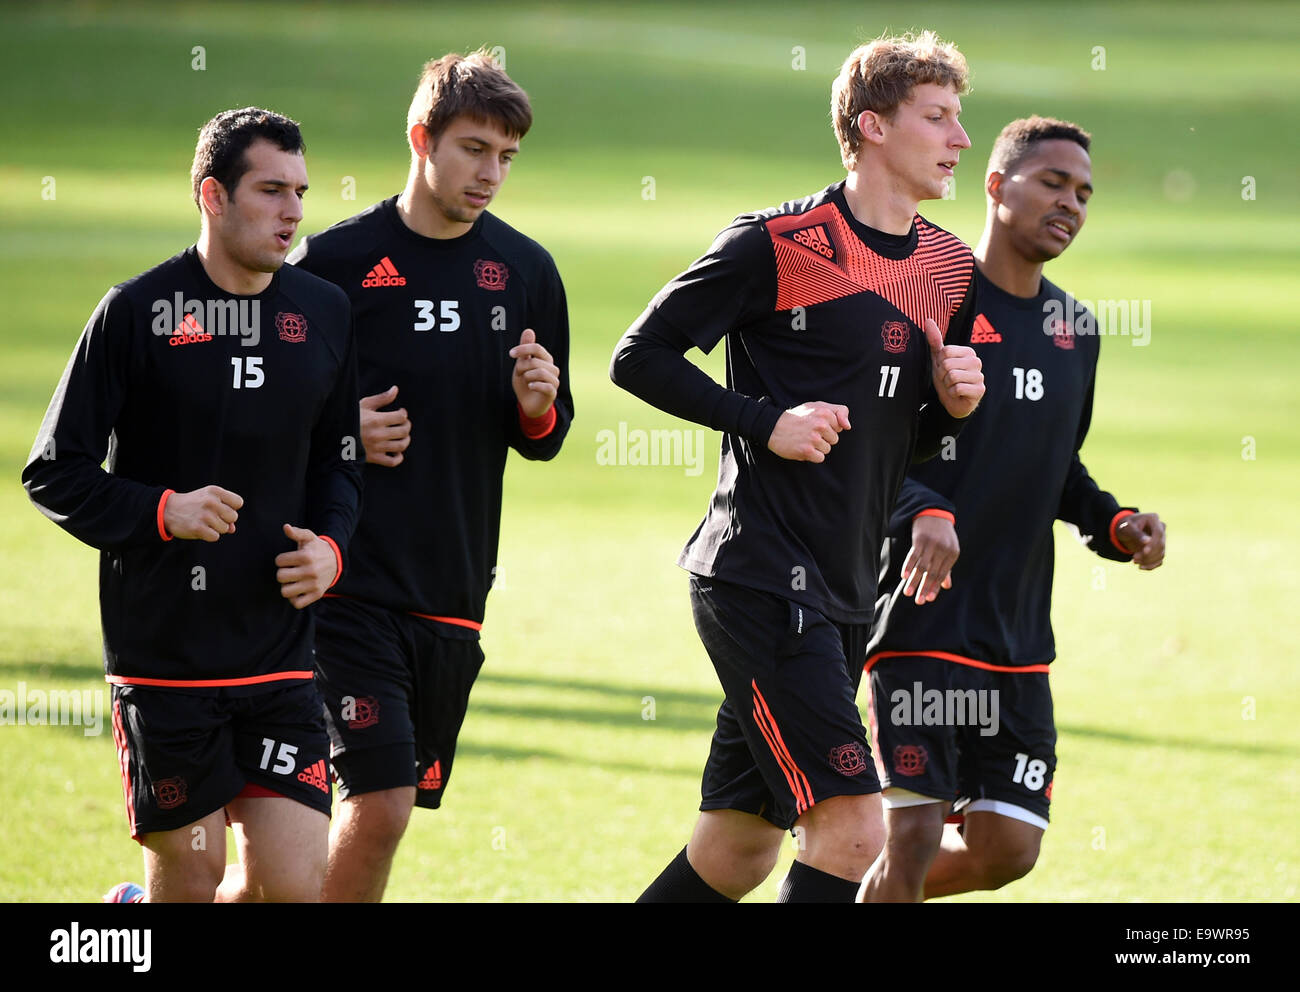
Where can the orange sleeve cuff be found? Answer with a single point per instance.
(936, 512)
(536, 427)
(162, 506)
(338, 559)
(1115, 521)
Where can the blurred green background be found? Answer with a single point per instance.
(1176, 691)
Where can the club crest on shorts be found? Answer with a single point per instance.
(365, 713)
(894, 333)
(292, 327)
(849, 759)
(170, 792)
(491, 275)
(910, 759)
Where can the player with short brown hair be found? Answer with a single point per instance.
(463, 341)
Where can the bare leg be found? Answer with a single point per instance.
(363, 840)
(912, 836)
(185, 865)
(733, 851)
(991, 851)
(282, 847)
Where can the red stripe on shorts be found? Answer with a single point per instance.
(771, 733)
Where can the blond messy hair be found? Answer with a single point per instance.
(881, 74)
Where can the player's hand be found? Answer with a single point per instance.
(203, 514)
(928, 567)
(806, 432)
(385, 434)
(957, 376)
(306, 573)
(536, 379)
(1143, 534)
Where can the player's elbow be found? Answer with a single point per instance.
(36, 479)
(620, 363)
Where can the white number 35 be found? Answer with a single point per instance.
(447, 320)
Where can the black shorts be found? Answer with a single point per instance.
(789, 733)
(396, 689)
(983, 739)
(183, 755)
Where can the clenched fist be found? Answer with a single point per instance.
(203, 514)
(1143, 535)
(807, 432)
(306, 572)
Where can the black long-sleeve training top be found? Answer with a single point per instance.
(437, 318)
(814, 306)
(1015, 469)
(181, 385)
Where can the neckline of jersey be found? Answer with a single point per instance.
(894, 246)
(415, 237)
(988, 288)
(215, 291)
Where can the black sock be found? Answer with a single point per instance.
(808, 884)
(679, 883)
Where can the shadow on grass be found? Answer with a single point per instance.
(1178, 743)
(36, 670)
(523, 754)
(673, 709)
(713, 699)
(630, 719)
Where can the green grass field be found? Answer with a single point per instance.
(1176, 693)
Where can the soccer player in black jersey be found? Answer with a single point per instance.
(222, 389)
(463, 342)
(835, 309)
(987, 642)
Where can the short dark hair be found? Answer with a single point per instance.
(472, 85)
(224, 140)
(1019, 137)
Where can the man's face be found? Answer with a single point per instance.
(1042, 201)
(257, 225)
(924, 141)
(467, 166)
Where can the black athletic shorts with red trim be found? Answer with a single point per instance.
(789, 733)
(183, 755)
(956, 730)
(396, 690)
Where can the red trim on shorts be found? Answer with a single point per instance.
(338, 559)
(124, 766)
(794, 788)
(957, 658)
(254, 791)
(1115, 523)
(936, 512)
(798, 781)
(536, 427)
(162, 504)
(457, 621)
(203, 683)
